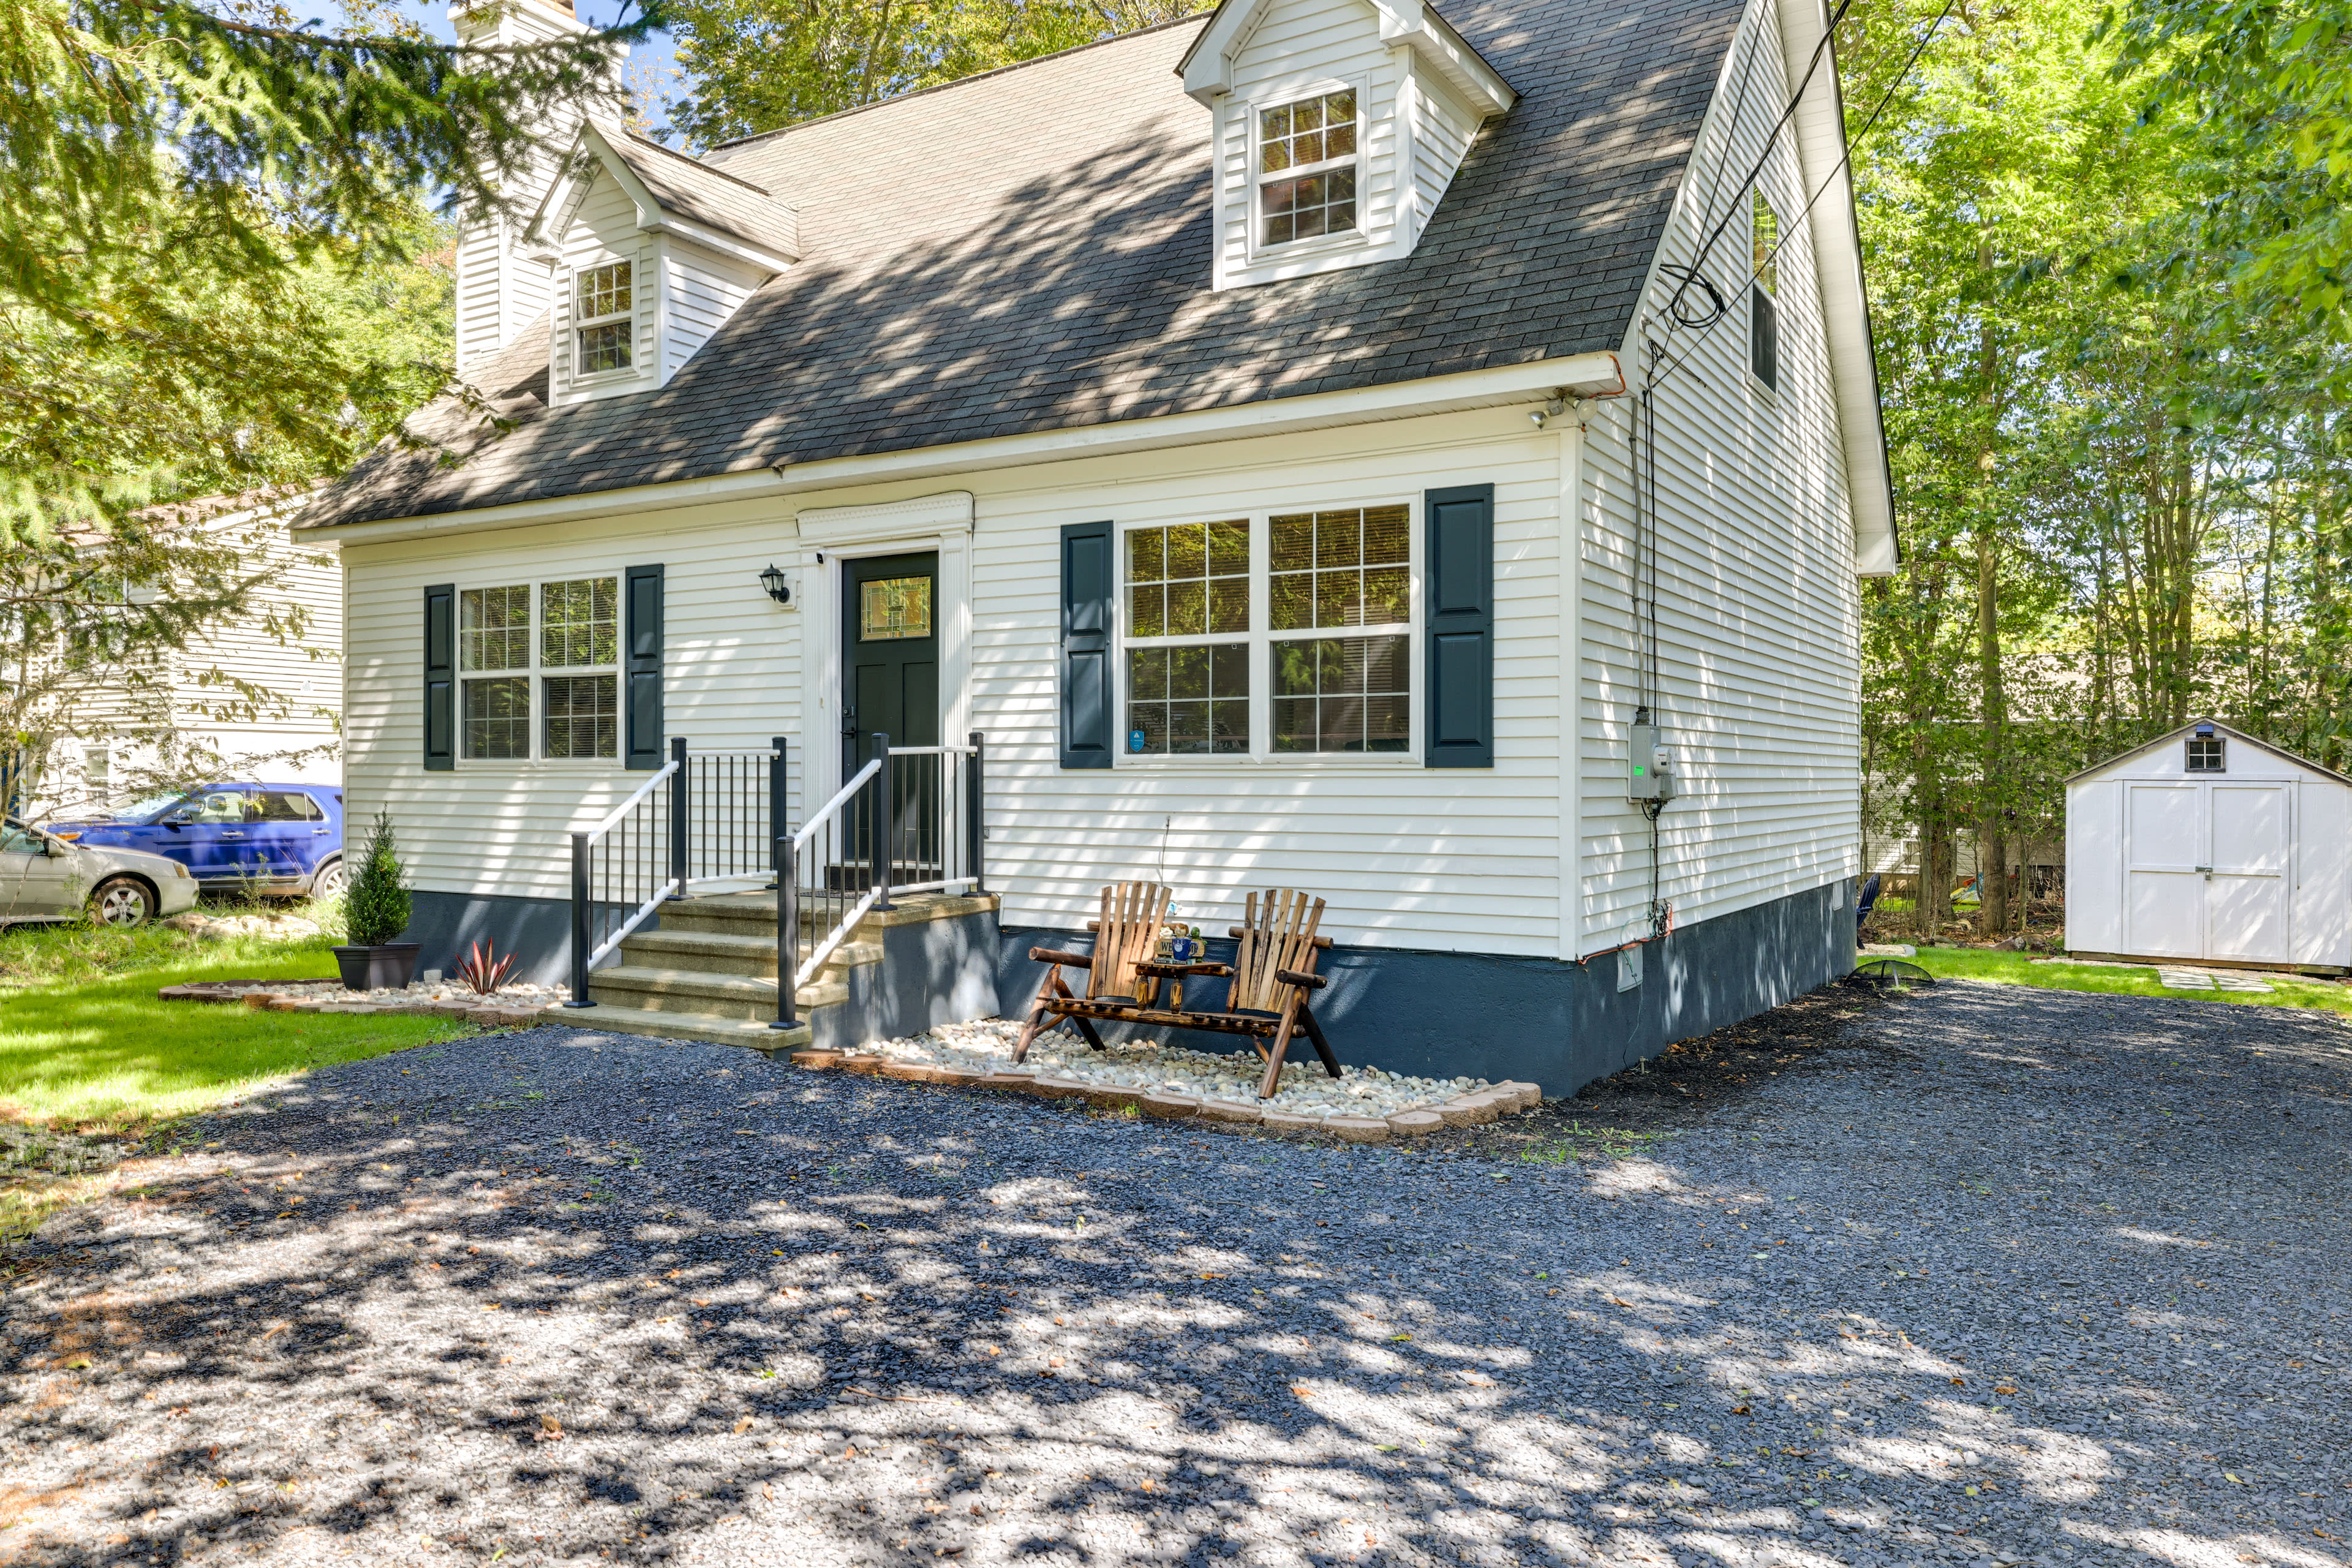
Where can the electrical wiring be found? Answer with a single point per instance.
(1844, 163)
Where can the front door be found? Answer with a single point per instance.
(2246, 892)
(2164, 870)
(890, 686)
(889, 655)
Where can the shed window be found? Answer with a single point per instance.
(2206, 754)
(602, 319)
(1306, 167)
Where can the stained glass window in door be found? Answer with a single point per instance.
(889, 608)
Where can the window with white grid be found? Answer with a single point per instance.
(603, 319)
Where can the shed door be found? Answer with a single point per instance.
(2246, 893)
(2164, 870)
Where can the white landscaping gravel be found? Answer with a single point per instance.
(517, 996)
(986, 1045)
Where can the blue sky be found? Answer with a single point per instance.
(651, 60)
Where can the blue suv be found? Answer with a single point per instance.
(259, 837)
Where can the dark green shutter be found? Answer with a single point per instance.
(1461, 596)
(441, 678)
(641, 669)
(1087, 568)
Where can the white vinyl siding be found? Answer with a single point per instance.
(1757, 613)
(604, 230)
(703, 289)
(1443, 130)
(1301, 49)
(730, 677)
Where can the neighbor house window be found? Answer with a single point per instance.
(494, 639)
(580, 634)
(1764, 294)
(1306, 167)
(2206, 754)
(603, 319)
(1313, 609)
(565, 638)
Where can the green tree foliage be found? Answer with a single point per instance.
(757, 65)
(2119, 469)
(375, 909)
(2270, 80)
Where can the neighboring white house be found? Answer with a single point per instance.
(253, 699)
(2208, 844)
(1242, 424)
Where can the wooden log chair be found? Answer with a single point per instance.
(1271, 977)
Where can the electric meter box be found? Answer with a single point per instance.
(1647, 774)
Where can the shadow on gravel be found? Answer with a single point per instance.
(567, 1298)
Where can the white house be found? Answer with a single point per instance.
(1324, 444)
(2208, 844)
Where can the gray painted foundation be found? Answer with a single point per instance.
(1434, 1015)
(1452, 1014)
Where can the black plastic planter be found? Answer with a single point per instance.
(387, 967)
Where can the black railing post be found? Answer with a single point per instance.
(975, 809)
(677, 821)
(579, 922)
(788, 930)
(878, 829)
(780, 805)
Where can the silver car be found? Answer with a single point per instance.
(43, 878)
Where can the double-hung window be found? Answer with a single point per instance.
(551, 647)
(1306, 167)
(1289, 634)
(604, 323)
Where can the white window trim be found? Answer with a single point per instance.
(1260, 249)
(1261, 638)
(576, 325)
(537, 671)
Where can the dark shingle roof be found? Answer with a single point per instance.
(706, 194)
(1030, 250)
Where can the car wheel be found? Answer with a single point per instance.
(329, 880)
(121, 901)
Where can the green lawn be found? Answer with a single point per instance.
(102, 1055)
(2019, 969)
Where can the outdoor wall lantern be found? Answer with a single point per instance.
(779, 586)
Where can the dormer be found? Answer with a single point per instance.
(650, 253)
(1338, 125)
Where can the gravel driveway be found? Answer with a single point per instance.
(1988, 1274)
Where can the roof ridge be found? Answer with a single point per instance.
(692, 162)
(1195, 18)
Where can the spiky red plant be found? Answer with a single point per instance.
(485, 971)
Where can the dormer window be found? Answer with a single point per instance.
(1306, 167)
(604, 318)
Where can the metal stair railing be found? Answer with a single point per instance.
(936, 819)
(705, 817)
(831, 830)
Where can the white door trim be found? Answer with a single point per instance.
(831, 535)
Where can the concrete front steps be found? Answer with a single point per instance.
(709, 973)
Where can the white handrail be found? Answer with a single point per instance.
(621, 810)
(833, 939)
(832, 806)
(634, 920)
(934, 751)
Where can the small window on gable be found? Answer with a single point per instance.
(2206, 754)
(603, 319)
(1306, 167)
(1764, 306)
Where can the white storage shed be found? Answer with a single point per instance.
(2209, 846)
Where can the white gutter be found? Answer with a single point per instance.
(1578, 375)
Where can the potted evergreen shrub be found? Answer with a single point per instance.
(375, 910)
